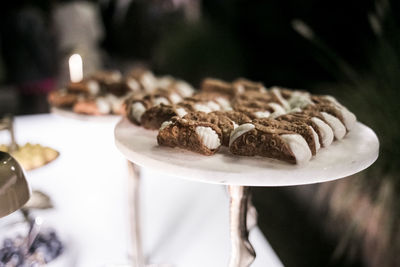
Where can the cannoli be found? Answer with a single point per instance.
(338, 128)
(62, 98)
(322, 129)
(87, 86)
(217, 86)
(237, 117)
(251, 139)
(204, 106)
(201, 137)
(257, 109)
(148, 82)
(243, 85)
(135, 108)
(91, 107)
(341, 112)
(110, 82)
(290, 99)
(183, 88)
(298, 127)
(103, 105)
(155, 116)
(223, 122)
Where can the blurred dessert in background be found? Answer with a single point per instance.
(32, 156)
(105, 92)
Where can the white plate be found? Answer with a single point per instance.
(358, 150)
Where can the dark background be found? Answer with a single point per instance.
(232, 38)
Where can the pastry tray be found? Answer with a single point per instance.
(358, 150)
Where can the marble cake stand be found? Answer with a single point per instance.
(357, 151)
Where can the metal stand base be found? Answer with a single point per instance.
(243, 217)
(138, 259)
(242, 252)
(134, 213)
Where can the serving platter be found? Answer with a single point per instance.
(357, 151)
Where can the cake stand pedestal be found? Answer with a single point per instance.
(358, 150)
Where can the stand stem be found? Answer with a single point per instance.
(134, 198)
(242, 252)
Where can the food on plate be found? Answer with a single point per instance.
(106, 92)
(197, 136)
(32, 156)
(245, 116)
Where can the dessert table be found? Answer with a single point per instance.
(185, 225)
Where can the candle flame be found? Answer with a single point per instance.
(75, 68)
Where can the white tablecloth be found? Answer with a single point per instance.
(184, 223)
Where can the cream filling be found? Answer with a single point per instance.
(208, 137)
(283, 101)
(242, 129)
(133, 85)
(111, 100)
(278, 110)
(94, 87)
(184, 88)
(295, 110)
(332, 99)
(165, 124)
(137, 111)
(262, 114)
(149, 81)
(115, 102)
(348, 117)
(224, 103)
(234, 124)
(175, 98)
(299, 100)
(298, 146)
(181, 112)
(213, 106)
(103, 105)
(160, 100)
(316, 139)
(337, 126)
(116, 76)
(165, 81)
(325, 130)
(202, 107)
(240, 89)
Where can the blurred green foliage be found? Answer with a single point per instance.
(199, 50)
(372, 92)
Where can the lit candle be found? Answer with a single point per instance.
(75, 68)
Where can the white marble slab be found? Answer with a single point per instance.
(358, 150)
